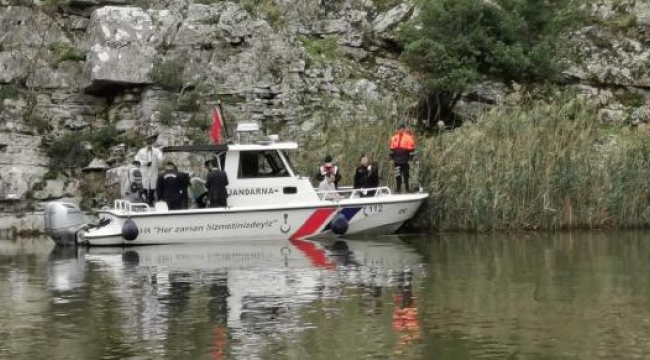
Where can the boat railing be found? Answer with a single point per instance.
(351, 193)
(127, 206)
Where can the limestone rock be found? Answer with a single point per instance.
(24, 27)
(121, 45)
(391, 18)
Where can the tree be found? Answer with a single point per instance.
(457, 43)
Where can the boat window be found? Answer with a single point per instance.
(288, 159)
(256, 164)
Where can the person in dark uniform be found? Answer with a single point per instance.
(366, 177)
(215, 184)
(170, 186)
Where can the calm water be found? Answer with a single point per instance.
(579, 296)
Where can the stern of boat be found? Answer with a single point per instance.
(62, 222)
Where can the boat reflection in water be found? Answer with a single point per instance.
(255, 287)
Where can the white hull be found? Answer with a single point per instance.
(267, 200)
(364, 215)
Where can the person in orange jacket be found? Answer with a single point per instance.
(402, 148)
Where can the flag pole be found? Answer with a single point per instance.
(223, 119)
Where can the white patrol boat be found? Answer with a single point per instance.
(267, 200)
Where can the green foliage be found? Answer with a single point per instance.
(65, 52)
(621, 21)
(536, 166)
(321, 49)
(167, 114)
(456, 43)
(206, 2)
(267, 7)
(385, 5)
(2, 48)
(67, 152)
(168, 74)
(94, 191)
(189, 101)
(347, 138)
(8, 91)
(632, 99)
(56, 2)
(51, 174)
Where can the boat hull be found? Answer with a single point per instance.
(364, 215)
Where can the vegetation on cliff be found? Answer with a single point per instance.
(537, 165)
(456, 43)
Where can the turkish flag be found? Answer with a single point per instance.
(215, 132)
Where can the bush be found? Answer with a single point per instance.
(457, 43)
(68, 152)
(189, 101)
(8, 91)
(321, 49)
(167, 114)
(267, 7)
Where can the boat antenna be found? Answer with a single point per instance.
(223, 118)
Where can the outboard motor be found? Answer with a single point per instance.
(62, 222)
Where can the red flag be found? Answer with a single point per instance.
(215, 132)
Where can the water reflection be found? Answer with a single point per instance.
(522, 296)
(243, 300)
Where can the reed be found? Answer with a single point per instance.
(541, 166)
(347, 137)
(533, 166)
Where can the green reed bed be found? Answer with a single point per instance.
(536, 167)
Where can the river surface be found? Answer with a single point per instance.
(522, 296)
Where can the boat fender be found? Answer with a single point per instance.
(129, 230)
(339, 224)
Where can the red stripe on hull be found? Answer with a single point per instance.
(313, 223)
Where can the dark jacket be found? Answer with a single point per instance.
(171, 186)
(216, 183)
(366, 177)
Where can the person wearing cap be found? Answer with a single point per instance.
(402, 148)
(150, 158)
(327, 168)
(170, 186)
(215, 184)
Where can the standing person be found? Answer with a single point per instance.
(215, 184)
(328, 167)
(402, 146)
(170, 185)
(365, 177)
(133, 182)
(150, 158)
(327, 189)
(185, 196)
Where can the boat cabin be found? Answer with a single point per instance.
(259, 169)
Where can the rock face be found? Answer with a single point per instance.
(94, 64)
(121, 46)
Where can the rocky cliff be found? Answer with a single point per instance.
(70, 68)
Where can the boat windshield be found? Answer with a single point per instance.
(288, 159)
(257, 164)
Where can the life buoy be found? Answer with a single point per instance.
(339, 224)
(129, 230)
